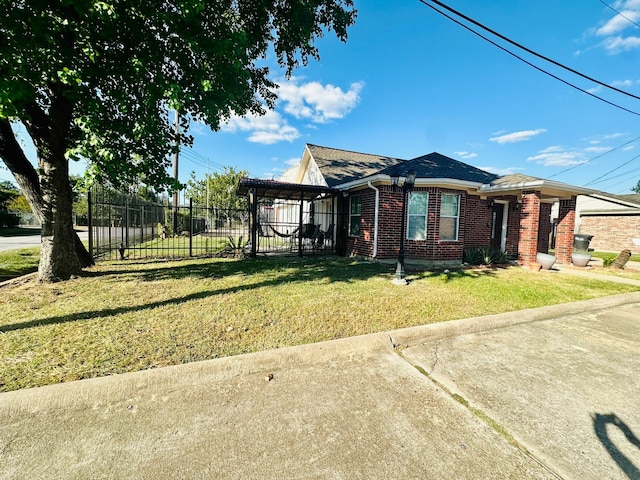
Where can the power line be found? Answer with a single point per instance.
(522, 47)
(626, 174)
(611, 171)
(596, 157)
(619, 13)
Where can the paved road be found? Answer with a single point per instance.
(27, 241)
(540, 394)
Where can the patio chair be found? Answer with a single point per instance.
(328, 235)
(262, 234)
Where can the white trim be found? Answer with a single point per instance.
(426, 216)
(537, 184)
(457, 217)
(505, 222)
(375, 221)
(420, 182)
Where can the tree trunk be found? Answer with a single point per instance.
(27, 179)
(58, 259)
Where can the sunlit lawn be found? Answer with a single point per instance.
(135, 315)
(14, 263)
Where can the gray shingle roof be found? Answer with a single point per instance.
(342, 166)
(435, 165)
(514, 179)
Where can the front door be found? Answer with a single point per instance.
(497, 220)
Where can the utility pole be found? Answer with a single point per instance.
(175, 175)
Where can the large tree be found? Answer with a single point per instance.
(97, 80)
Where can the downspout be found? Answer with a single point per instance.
(375, 221)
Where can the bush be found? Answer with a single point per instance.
(485, 256)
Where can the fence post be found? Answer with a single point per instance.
(126, 222)
(191, 227)
(90, 222)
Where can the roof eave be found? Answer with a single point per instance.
(420, 182)
(537, 185)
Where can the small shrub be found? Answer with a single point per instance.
(608, 260)
(485, 256)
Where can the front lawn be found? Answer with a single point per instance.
(129, 316)
(14, 263)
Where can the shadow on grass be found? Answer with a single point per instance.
(311, 268)
(460, 273)
(276, 272)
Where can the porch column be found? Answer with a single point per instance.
(529, 223)
(565, 229)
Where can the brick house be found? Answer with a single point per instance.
(452, 206)
(613, 220)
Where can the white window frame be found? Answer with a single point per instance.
(457, 217)
(352, 215)
(410, 215)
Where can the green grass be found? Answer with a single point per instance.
(129, 316)
(608, 255)
(14, 263)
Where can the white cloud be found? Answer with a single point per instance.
(266, 129)
(613, 30)
(310, 100)
(517, 136)
(628, 147)
(551, 149)
(558, 158)
(596, 149)
(502, 171)
(320, 103)
(619, 23)
(622, 83)
(292, 161)
(465, 155)
(618, 44)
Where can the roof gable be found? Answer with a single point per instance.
(342, 166)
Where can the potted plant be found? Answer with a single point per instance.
(546, 260)
(580, 259)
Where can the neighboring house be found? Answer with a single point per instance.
(452, 206)
(613, 220)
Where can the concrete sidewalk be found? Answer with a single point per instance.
(543, 393)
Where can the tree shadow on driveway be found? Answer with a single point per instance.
(600, 423)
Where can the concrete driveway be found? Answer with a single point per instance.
(541, 394)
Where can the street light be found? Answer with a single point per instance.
(407, 187)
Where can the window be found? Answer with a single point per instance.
(354, 217)
(449, 215)
(417, 216)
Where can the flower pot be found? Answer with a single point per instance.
(535, 266)
(546, 260)
(580, 259)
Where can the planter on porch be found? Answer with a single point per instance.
(545, 260)
(580, 259)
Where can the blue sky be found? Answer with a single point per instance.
(409, 82)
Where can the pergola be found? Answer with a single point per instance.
(257, 189)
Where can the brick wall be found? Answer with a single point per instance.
(477, 226)
(529, 222)
(565, 229)
(362, 245)
(612, 233)
(544, 227)
(474, 226)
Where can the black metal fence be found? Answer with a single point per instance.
(126, 226)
